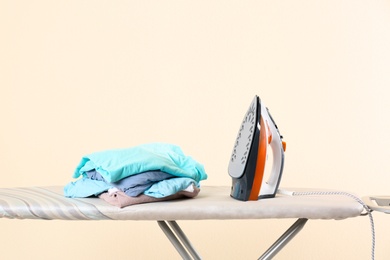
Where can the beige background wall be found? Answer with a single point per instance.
(82, 76)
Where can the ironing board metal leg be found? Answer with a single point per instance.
(284, 239)
(177, 237)
(183, 238)
(175, 242)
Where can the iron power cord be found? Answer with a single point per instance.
(327, 193)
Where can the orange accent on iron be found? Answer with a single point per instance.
(260, 164)
(284, 145)
(269, 135)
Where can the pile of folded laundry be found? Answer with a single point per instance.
(145, 173)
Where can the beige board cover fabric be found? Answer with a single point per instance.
(213, 202)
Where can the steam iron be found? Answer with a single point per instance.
(258, 133)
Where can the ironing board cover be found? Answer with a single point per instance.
(213, 202)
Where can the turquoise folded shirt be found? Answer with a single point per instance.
(117, 164)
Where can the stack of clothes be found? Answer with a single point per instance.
(145, 173)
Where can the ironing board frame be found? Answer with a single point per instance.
(213, 203)
(187, 251)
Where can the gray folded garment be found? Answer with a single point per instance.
(120, 199)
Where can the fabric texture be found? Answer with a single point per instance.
(157, 170)
(169, 187)
(136, 184)
(120, 199)
(115, 165)
(86, 187)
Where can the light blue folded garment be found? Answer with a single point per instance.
(169, 187)
(115, 165)
(85, 187)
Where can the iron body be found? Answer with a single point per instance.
(257, 139)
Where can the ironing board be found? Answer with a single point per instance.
(212, 203)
